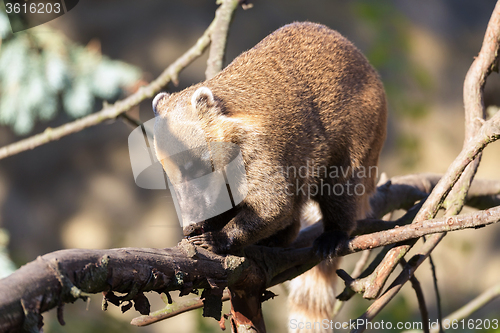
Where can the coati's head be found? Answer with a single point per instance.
(194, 141)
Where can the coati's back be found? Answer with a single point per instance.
(307, 87)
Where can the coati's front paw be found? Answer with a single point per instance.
(211, 240)
(329, 243)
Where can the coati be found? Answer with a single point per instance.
(303, 99)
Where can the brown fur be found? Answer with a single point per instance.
(302, 95)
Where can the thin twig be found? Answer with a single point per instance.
(436, 290)
(420, 298)
(172, 310)
(356, 272)
(218, 36)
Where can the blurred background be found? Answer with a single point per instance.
(79, 192)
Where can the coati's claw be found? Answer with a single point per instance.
(193, 230)
(211, 240)
(204, 240)
(329, 244)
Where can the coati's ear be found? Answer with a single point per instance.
(202, 97)
(159, 98)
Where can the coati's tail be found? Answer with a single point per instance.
(312, 295)
(312, 299)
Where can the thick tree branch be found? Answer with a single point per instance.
(64, 276)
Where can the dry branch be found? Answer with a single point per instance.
(489, 132)
(64, 276)
(218, 36)
(420, 298)
(172, 310)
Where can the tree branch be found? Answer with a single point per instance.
(436, 291)
(172, 310)
(399, 192)
(64, 276)
(420, 298)
(489, 132)
(218, 36)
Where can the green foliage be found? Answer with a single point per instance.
(6, 265)
(80, 321)
(389, 52)
(408, 146)
(41, 70)
(409, 86)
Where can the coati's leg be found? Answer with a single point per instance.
(246, 228)
(284, 237)
(266, 210)
(338, 205)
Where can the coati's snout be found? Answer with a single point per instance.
(205, 171)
